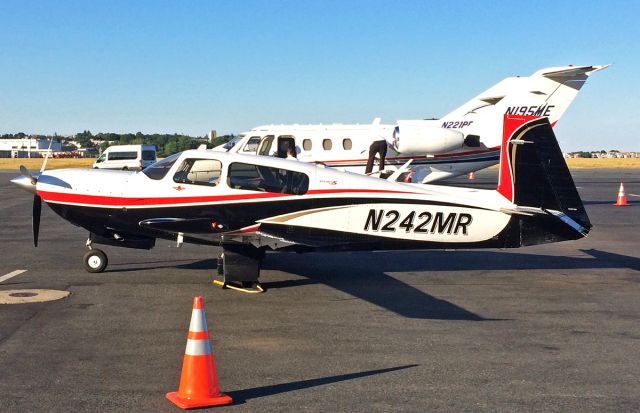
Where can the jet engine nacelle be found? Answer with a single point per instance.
(423, 137)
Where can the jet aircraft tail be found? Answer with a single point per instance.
(535, 177)
(547, 93)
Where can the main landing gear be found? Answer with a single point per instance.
(239, 268)
(94, 260)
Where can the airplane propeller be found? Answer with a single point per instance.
(25, 172)
(35, 218)
(28, 181)
(37, 201)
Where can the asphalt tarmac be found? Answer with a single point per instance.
(545, 328)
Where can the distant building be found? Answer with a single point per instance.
(602, 155)
(212, 135)
(27, 147)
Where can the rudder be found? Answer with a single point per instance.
(534, 175)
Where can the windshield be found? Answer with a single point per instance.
(159, 169)
(227, 146)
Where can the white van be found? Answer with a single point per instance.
(126, 157)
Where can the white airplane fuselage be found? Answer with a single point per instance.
(346, 147)
(466, 139)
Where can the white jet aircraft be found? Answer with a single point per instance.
(465, 140)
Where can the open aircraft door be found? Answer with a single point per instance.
(265, 145)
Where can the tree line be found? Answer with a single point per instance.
(166, 144)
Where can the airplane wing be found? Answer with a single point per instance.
(211, 231)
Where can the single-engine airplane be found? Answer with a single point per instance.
(466, 139)
(248, 204)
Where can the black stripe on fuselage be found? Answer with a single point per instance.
(232, 217)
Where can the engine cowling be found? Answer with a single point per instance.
(422, 137)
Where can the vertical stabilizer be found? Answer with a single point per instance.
(546, 93)
(534, 176)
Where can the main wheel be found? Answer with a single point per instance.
(125, 168)
(95, 261)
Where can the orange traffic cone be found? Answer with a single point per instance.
(472, 176)
(622, 198)
(198, 381)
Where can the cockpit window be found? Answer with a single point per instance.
(252, 144)
(199, 172)
(159, 169)
(266, 179)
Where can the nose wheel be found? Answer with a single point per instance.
(95, 261)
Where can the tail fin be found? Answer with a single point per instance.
(535, 177)
(546, 93)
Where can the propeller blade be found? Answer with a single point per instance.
(46, 158)
(35, 219)
(25, 172)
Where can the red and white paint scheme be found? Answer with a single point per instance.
(465, 140)
(250, 204)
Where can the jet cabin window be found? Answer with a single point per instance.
(326, 144)
(199, 172)
(266, 179)
(306, 144)
(346, 144)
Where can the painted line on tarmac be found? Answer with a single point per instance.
(634, 195)
(11, 275)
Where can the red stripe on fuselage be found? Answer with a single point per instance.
(406, 158)
(68, 198)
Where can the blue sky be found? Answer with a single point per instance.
(192, 66)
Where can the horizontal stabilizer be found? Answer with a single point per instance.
(571, 71)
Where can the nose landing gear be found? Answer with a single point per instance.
(94, 260)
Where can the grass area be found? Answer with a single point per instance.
(34, 164)
(594, 163)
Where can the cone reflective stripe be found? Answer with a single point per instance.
(198, 380)
(622, 198)
(198, 347)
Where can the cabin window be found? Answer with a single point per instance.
(252, 144)
(326, 144)
(346, 144)
(159, 169)
(266, 179)
(148, 155)
(306, 144)
(199, 172)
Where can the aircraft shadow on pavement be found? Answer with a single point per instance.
(241, 396)
(363, 275)
(367, 283)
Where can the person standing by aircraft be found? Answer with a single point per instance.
(291, 153)
(379, 147)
